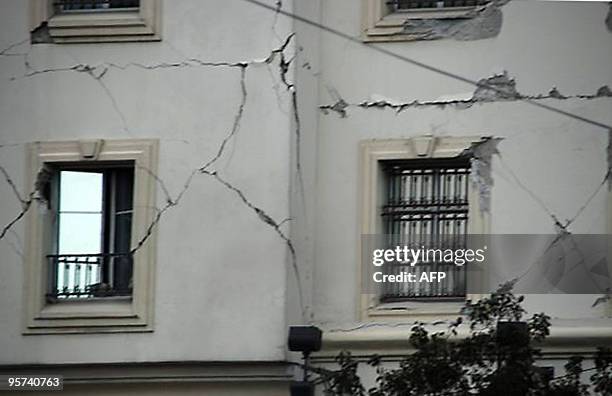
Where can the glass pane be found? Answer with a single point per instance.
(80, 233)
(81, 191)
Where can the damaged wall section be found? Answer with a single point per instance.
(496, 88)
(480, 23)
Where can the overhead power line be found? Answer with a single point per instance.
(425, 66)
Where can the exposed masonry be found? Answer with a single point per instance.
(480, 172)
(41, 35)
(498, 88)
(480, 23)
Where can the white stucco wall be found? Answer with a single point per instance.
(222, 277)
(560, 160)
(221, 271)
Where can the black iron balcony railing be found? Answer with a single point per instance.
(81, 276)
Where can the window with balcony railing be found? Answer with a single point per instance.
(426, 207)
(93, 207)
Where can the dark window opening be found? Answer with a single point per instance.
(94, 5)
(92, 235)
(426, 206)
(409, 5)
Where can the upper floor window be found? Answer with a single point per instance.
(408, 20)
(413, 5)
(81, 21)
(90, 5)
(426, 206)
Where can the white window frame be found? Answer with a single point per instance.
(143, 24)
(380, 23)
(372, 152)
(133, 314)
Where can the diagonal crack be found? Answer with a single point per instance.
(25, 206)
(25, 202)
(267, 219)
(100, 71)
(5, 51)
(11, 183)
(243, 66)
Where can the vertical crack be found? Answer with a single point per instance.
(237, 120)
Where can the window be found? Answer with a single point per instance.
(426, 206)
(408, 20)
(97, 203)
(84, 5)
(418, 192)
(410, 5)
(79, 21)
(93, 208)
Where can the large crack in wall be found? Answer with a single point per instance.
(98, 72)
(500, 87)
(497, 88)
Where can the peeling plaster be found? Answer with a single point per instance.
(480, 172)
(481, 23)
(497, 88)
(41, 35)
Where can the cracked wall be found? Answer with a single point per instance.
(545, 176)
(496, 88)
(256, 186)
(224, 170)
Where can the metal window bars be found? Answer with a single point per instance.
(93, 5)
(78, 276)
(426, 208)
(408, 5)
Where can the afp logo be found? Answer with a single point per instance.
(432, 277)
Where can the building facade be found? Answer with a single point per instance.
(184, 180)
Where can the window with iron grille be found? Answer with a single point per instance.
(93, 207)
(426, 207)
(408, 5)
(95, 5)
